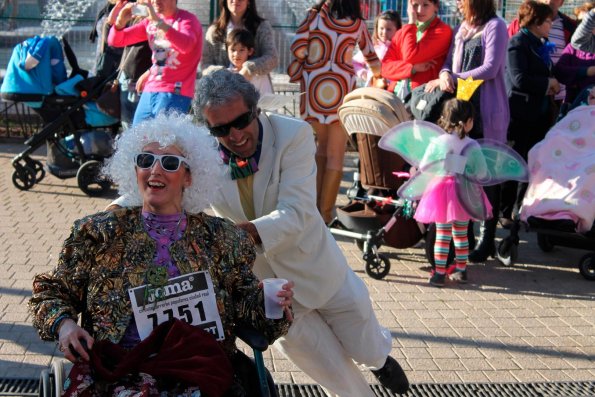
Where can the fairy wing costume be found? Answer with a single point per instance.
(480, 163)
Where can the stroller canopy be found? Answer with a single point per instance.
(35, 67)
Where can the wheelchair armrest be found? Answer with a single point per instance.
(252, 337)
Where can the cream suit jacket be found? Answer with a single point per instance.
(296, 244)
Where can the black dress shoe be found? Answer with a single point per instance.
(483, 252)
(392, 376)
(506, 223)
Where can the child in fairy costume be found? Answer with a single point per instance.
(439, 203)
(451, 170)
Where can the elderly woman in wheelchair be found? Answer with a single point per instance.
(160, 287)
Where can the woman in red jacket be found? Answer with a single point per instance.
(418, 50)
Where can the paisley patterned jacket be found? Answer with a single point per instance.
(109, 252)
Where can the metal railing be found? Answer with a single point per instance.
(284, 15)
(17, 121)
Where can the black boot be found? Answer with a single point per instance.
(486, 246)
(392, 376)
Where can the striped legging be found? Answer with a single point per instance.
(444, 232)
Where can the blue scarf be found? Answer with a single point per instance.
(545, 48)
(242, 167)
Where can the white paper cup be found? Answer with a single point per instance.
(272, 308)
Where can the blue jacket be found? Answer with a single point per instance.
(46, 60)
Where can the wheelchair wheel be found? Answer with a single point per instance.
(90, 180)
(507, 252)
(377, 266)
(59, 375)
(250, 376)
(23, 177)
(45, 384)
(587, 267)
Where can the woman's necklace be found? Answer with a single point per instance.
(164, 229)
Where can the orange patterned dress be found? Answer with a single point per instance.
(323, 50)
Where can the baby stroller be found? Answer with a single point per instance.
(558, 204)
(372, 220)
(77, 134)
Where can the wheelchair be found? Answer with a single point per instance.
(254, 376)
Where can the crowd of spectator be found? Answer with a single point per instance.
(531, 70)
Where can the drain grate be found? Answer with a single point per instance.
(551, 389)
(19, 387)
(29, 387)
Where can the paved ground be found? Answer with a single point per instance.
(531, 322)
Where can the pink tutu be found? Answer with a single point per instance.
(440, 204)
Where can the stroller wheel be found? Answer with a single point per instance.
(360, 245)
(377, 266)
(507, 252)
(545, 242)
(23, 177)
(89, 179)
(38, 168)
(587, 267)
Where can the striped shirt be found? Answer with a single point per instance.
(556, 36)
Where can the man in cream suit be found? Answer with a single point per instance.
(270, 191)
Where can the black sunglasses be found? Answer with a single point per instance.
(242, 121)
(169, 162)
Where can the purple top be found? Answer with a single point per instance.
(164, 229)
(495, 114)
(571, 70)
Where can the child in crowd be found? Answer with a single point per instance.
(385, 27)
(240, 47)
(440, 202)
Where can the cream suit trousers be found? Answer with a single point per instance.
(328, 342)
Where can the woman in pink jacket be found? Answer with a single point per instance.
(175, 37)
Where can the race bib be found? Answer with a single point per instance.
(190, 298)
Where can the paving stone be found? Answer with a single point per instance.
(445, 376)
(446, 364)
(528, 376)
(531, 322)
(579, 375)
(472, 376)
(416, 352)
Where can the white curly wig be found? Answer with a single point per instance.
(197, 146)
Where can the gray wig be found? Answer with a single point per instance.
(220, 87)
(198, 147)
